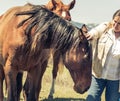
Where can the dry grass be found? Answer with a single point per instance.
(63, 88)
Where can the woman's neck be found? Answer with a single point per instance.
(117, 34)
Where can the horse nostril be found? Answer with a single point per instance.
(80, 89)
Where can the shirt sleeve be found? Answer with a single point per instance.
(99, 30)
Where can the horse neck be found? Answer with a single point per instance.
(63, 40)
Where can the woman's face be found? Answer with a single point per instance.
(116, 24)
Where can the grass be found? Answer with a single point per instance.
(63, 87)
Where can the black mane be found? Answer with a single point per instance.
(53, 30)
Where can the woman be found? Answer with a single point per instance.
(106, 60)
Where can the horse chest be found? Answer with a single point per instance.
(25, 61)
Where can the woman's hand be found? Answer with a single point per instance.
(89, 36)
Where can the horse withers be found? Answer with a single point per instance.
(23, 43)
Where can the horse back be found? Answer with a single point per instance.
(12, 37)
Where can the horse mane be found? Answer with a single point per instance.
(50, 28)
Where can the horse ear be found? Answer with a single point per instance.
(81, 31)
(71, 5)
(54, 3)
(84, 28)
(51, 4)
(81, 34)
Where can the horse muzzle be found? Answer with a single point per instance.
(81, 89)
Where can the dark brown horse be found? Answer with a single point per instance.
(62, 10)
(23, 42)
(58, 61)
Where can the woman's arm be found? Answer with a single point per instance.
(97, 31)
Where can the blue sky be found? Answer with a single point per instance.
(85, 11)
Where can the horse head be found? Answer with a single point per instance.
(78, 61)
(60, 8)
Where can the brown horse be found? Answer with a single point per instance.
(23, 42)
(57, 7)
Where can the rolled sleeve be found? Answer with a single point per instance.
(99, 30)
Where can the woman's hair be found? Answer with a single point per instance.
(110, 24)
(117, 13)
